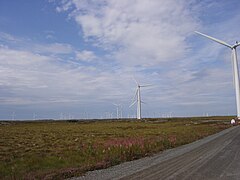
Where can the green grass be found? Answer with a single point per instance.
(55, 149)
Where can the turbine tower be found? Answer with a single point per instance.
(118, 112)
(235, 67)
(138, 100)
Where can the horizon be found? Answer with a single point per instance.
(113, 119)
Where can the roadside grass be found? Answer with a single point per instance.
(62, 149)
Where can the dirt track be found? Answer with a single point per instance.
(215, 157)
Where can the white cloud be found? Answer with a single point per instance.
(7, 37)
(85, 55)
(55, 48)
(49, 34)
(32, 78)
(144, 32)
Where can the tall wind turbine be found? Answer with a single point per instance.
(138, 100)
(235, 67)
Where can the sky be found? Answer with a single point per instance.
(75, 58)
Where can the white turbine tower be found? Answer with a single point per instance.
(138, 100)
(118, 111)
(34, 116)
(13, 116)
(235, 67)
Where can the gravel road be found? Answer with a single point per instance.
(214, 157)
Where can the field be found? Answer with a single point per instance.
(61, 149)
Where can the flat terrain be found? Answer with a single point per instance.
(214, 157)
(62, 149)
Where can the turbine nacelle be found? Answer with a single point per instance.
(235, 45)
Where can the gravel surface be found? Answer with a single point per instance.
(214, 157)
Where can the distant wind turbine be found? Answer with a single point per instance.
(118, 106)
(13, 116)
(34, 116)
(138, 100)
(235, 67)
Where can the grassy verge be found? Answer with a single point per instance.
(54, 149)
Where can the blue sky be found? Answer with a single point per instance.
(74, 58)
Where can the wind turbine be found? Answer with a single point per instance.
(138, 100)
(118, 105)
(13, 116)
(235, 67)
(34, 116)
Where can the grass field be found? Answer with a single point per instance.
(61, 149)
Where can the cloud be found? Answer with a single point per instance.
(14, 42)
(49, 35)
(85, 55)
(55, 48)
(28, 77)
(140, 32)
(7, 37)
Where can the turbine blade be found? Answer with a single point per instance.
(237, 44)
(143, 102)
(134, 98)
(214, 39)
(146, 85)
(135, 95)
(116, 104)
(135, 81)
(132, 103)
